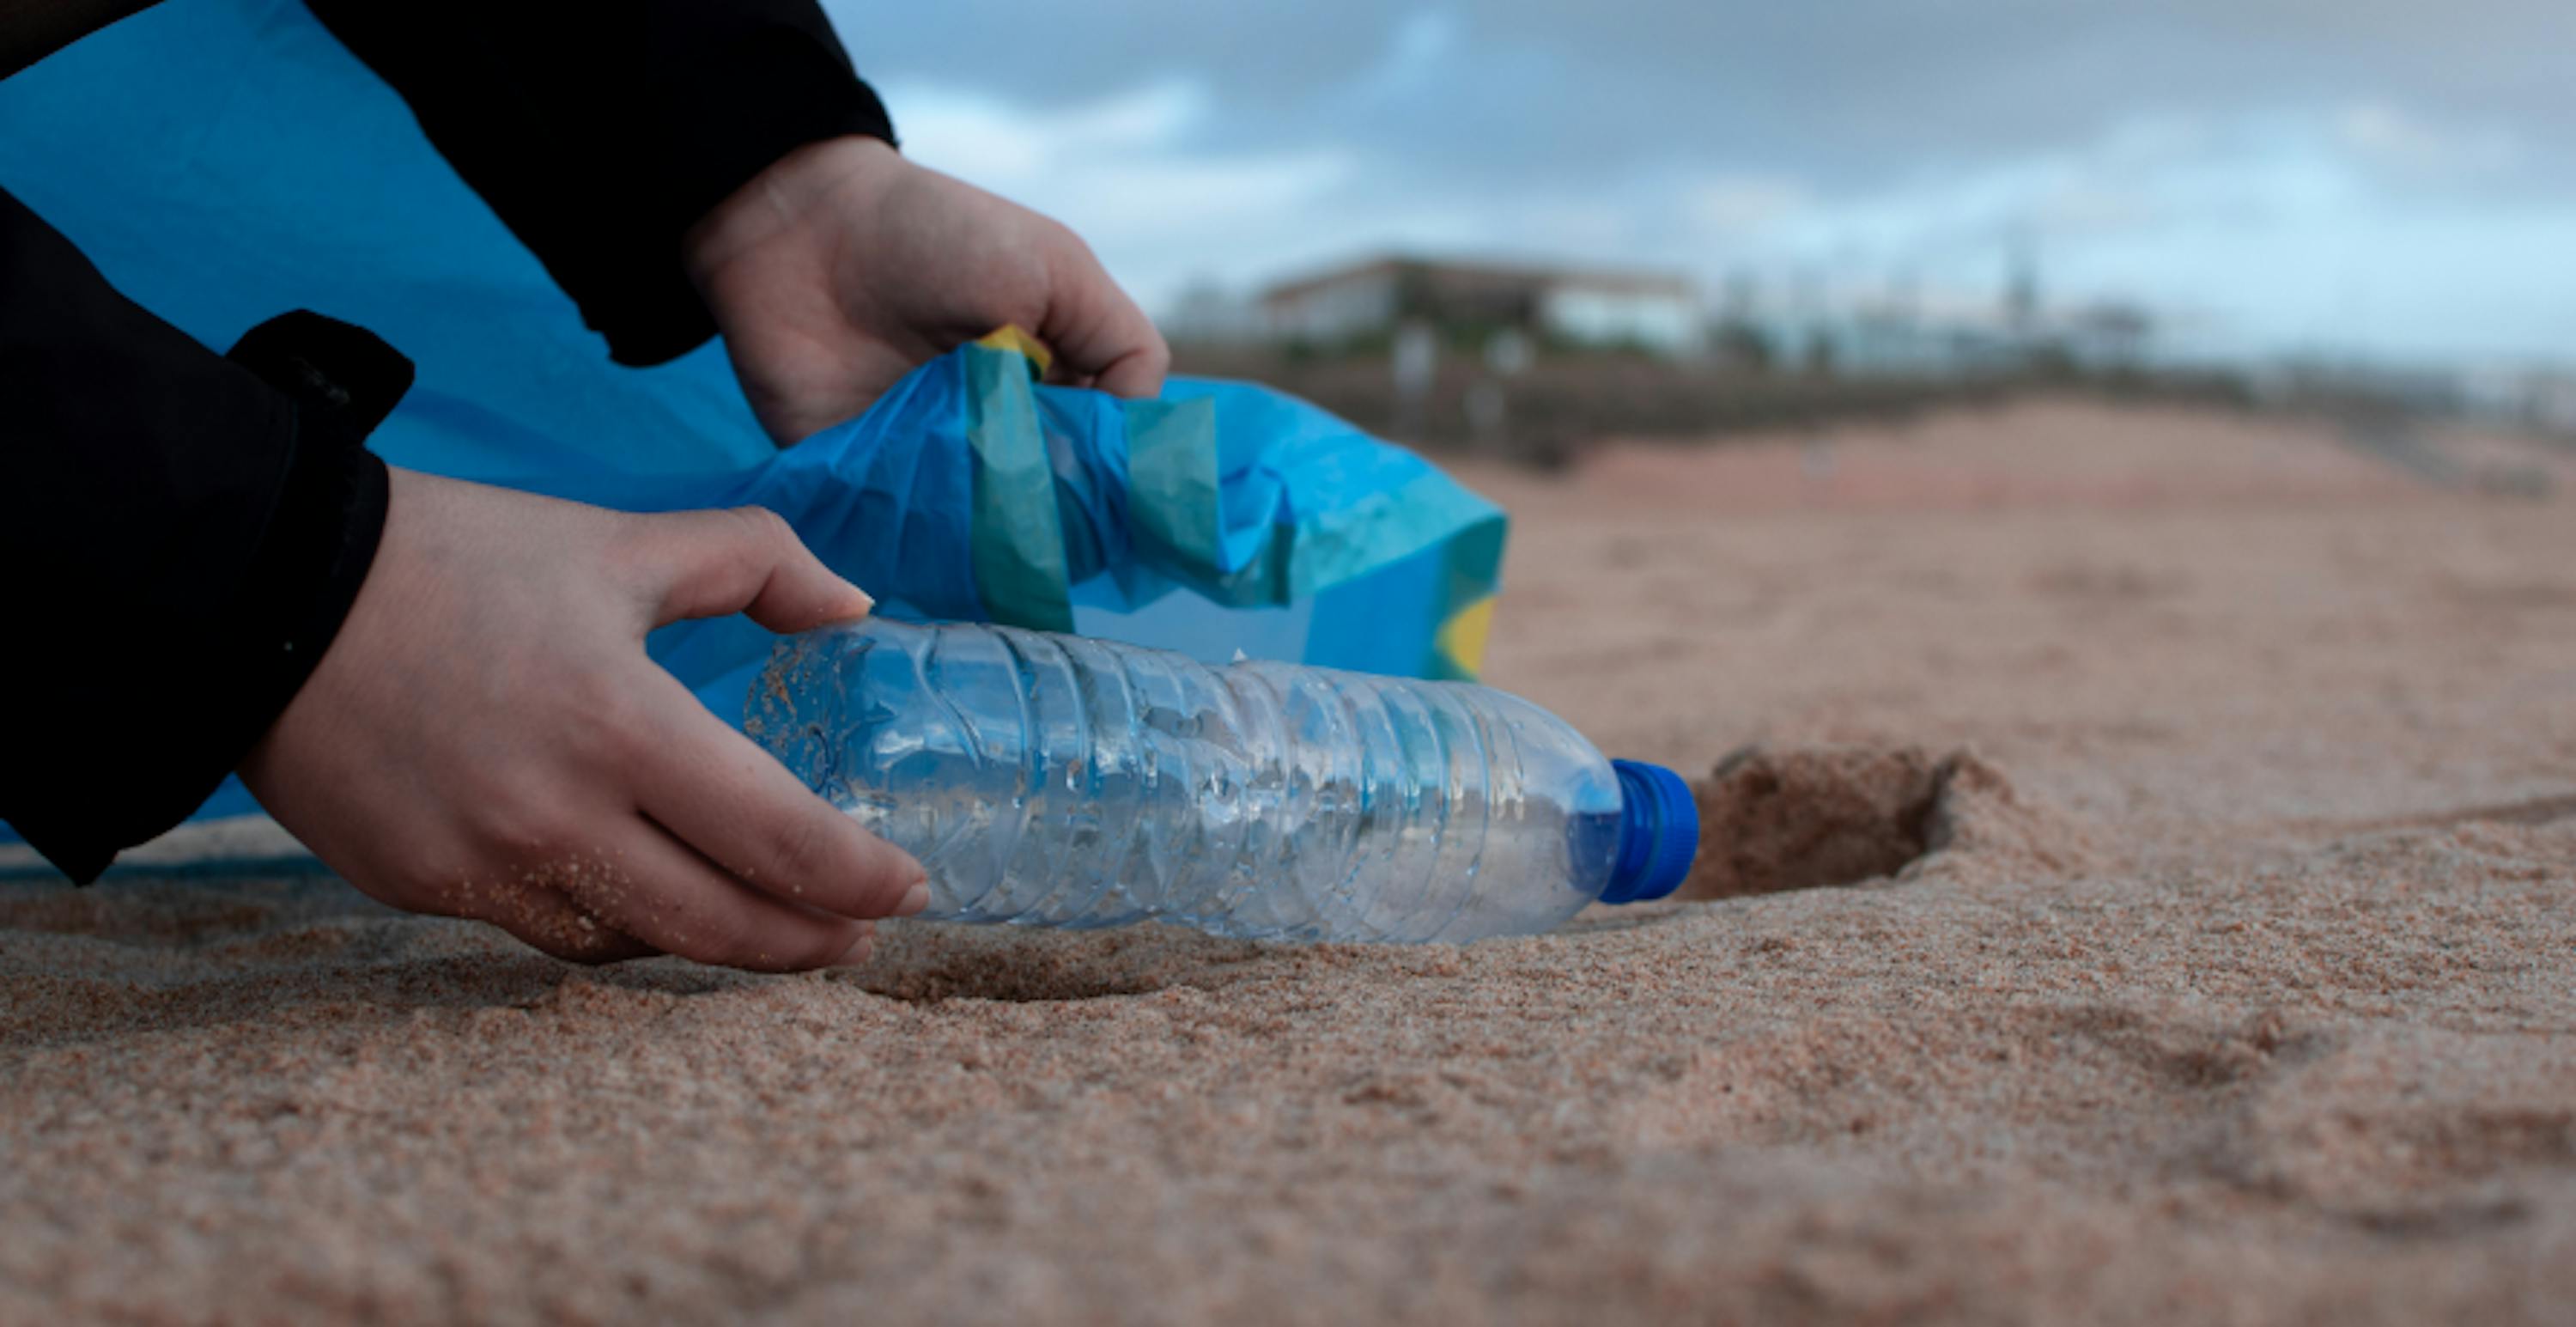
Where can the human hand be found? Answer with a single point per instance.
(485, 738)
(845, 265)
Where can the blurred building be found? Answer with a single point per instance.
(2522, 397)
(1919, 337)
(1209, 313)
(1656, 312)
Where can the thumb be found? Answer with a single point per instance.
(742, 560)
(1098, 333)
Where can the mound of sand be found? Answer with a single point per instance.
(1836, 816)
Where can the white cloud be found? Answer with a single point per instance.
(1421, 43)
(2412, 147)
(1732, 205)
(1120, 171)
(974, 135)
(2360, 227)
(2345, 232)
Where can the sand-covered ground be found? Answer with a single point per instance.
(2210, 787)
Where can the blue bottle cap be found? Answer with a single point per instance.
(1658, 833)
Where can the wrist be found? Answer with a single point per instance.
(838, 173)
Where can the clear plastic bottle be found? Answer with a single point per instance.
(1060, 781)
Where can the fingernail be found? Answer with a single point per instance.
(867, 601)
(915, 900)
(859, 953)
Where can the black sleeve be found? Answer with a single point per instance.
(601, 130)
(182, 534)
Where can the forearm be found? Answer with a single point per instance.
(30, 30)
(181, 537)
(602, 130)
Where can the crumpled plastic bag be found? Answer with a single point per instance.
(1221, 518)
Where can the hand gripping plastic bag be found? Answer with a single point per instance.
(1222, 517)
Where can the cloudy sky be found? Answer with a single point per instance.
(2371, 177)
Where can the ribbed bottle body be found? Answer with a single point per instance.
(1062, 781)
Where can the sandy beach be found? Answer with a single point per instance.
(2141, 885)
